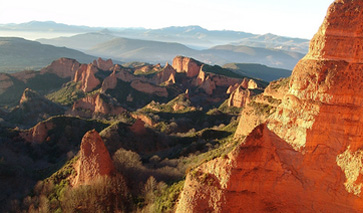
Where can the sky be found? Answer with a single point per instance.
(294, 18)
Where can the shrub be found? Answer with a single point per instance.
(106, 194)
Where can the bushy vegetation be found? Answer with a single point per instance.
(221, 71)
(55, 194)
(67, 94)
(282, 82)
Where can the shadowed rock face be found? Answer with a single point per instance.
(94, 160)
(308, 157)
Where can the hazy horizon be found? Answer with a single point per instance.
(283, 17)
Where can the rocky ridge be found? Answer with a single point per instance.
(307, 157)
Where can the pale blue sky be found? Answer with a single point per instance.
(296, 18)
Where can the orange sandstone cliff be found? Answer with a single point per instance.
(102, 64)
(308, 155)
(63, 67)
(187, 65)
(98, 103)
(86, 75)
(94, 160)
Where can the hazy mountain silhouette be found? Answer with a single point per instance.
(17, 54)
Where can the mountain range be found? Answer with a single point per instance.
(161, 45)
(108, 44)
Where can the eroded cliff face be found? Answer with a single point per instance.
(98, 103)
(308, 157)
(239, 97)
(94, 160)
(86, 75)
(102, 64)
(63, 67)
(187, 65)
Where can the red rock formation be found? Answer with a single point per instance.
(149, 88)
(28, 95)
(98, 103)
(166, 75)
(86, 75)
(244, 83)
(277, 89)
(239, 97)
(148, 69)
(252, 84)
(210, 81)
(103, 65)
(94, 160)
(208, 85)
(38, 133)
(188, 65)
(63, 67)
(261, 107)
(110, 82)
(223, 81)
(308, 158)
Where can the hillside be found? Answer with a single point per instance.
(258, 71)
(192, 36)
(128, 50)
(18, 54)
(155, 121)
(272, 41)
(82, 41)
(107, 44)
(245, 54)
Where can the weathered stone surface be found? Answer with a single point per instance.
(149, 88)
(98, 103)
(308, 157)
(86, 75)
(239, 97)
(63, 67)
(187, 65)
(166, 75)
(94, 160)
(102, 64)
(37, 134)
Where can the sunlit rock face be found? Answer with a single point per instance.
(102, 64)
(187, 65)
(63, 67)
(98, 103)
(308, 156)
(86, 76)
(94, 160)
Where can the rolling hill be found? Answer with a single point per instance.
(17, 54)
(141, 50)
(272, 41)
(245, 54)
(82, 41)
(258, 71)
